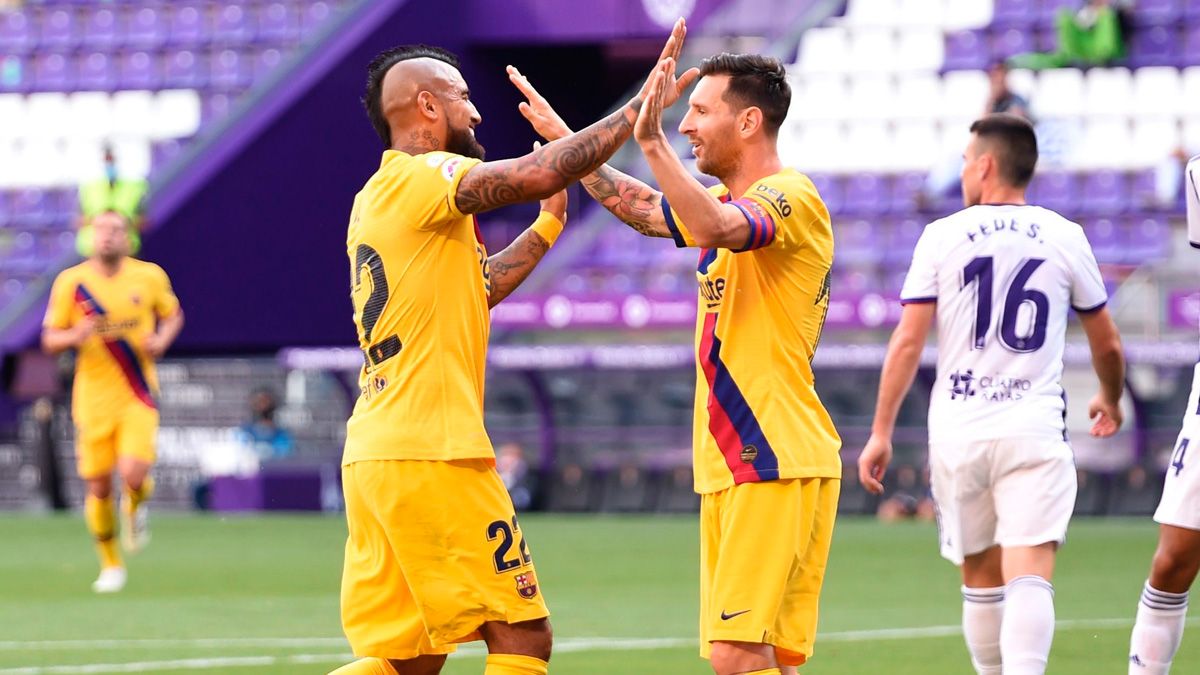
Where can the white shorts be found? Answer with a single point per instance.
(1011, 492)
(1180, 504)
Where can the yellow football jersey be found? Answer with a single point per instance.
(419, 279)
(762, 309)
(112, 370)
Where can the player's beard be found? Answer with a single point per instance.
(462, 142)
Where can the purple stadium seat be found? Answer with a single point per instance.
(1157, 12)
(17, 33)
(313, 17)
(1055, 191)
(857, 242)
(103, 29)
(53, 72)
(162, 152)
(214, 108)
(14, 74)
(59, 29)
(1104, 193)
(966, 50)
(234, 24)
(829, 187)
(185, 70)
(905, 189)
(1047, 10)
(278, 22)
(850, 280)
(5, 214)
(1149, 239)
(189, 24)
(1191, 45)
(147, 28)
(1006, 42)
(65, 205)
(1013, 12)
(1107, 239)
(231, 70)
(1154, 46)
(1191, 10)
(139, 70)
(1142, 189)
(899, 240)
(265, 63)
(96, 72)
(866, 193)
(1046, 40)
(31, 209)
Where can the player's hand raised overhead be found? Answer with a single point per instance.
(1106, 416)
(537, 110)
(674, 87)
(648, 128)
(873, 463)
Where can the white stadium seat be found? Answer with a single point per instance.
(919, 49)
(926, 13)
(12, 116)
(1022, 82)
(133, 114)
(1105, 144)
(132, 156)
(964, 94)
(1191, 136)
(1108, 92)
(47, 116)
(966, 14)
(1059, 94)
(824, 50)
(1153, 140)
(176, 114)
(1190, 81)
(821, 147)
(820, 97)
(84, 158)
(872, 50)
(1157, 92)
(866, 146)
(871, 97)
(914, 147)
(873, 13)
(91, 112)
(918, 95)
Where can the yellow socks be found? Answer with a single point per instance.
(134, 498)
(768, 671)
(366, 667)
(514, 664)
(102, 523)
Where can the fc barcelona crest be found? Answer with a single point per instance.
(527, 585)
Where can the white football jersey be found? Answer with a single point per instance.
(1004, 278)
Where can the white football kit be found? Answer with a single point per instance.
(1180, 504)
(1004, 278)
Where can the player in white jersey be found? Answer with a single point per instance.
(1000, 277)
(1162, 610)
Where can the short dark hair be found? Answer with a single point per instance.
(380, 65)
(754, 80)
(1015, 145)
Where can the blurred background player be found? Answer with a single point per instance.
(121, 315)
(1162, 612)
(435, 556)
(765, 450)
(1000, 277)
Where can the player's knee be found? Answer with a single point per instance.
(1171, 570)
(527, 638)
(541, 640)
(728, 658)
(100, 488)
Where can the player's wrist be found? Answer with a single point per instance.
(548, 226)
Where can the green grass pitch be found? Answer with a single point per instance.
(256, 595)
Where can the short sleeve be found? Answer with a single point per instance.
(921, 282)
(679, 232)
(165, 302)
(1087, 285)
(58, 310)
(1192, 188)
(428, 184)
(784, 210)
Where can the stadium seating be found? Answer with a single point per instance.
(144, 75)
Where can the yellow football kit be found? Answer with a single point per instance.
(434, 549)
(765, 450)
(113, 403)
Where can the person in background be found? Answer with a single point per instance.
(908, 497)
(514, 471)
(115, 193)
(1088, 36)
(268, 440)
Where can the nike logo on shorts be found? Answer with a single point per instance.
(726, 617)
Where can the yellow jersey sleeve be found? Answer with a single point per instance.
(428, 184)
(782, 210)
(165, 302)
(679, 231)
(62, 300)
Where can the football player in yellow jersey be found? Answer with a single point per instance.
(765, 450)
(121, 315)
(435, 555)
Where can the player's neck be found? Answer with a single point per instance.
(753, 168)
(998, 195)
(415, 141)
(108, 269)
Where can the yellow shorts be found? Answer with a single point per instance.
(763, 549)
(99, 443)
(434, 552)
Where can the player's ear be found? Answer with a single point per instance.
(749, 121)
(428, 105)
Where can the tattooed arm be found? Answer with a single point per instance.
(637, 205)
(509, 268)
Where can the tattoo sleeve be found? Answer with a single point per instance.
(548, 169)
(637, 205)
(510, 267)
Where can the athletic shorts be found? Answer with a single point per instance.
(1180, 503)
(763, 550)
(434, 551)
(1007, 492)
(130, 433)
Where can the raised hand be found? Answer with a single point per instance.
(648, 128)
(674, 47)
